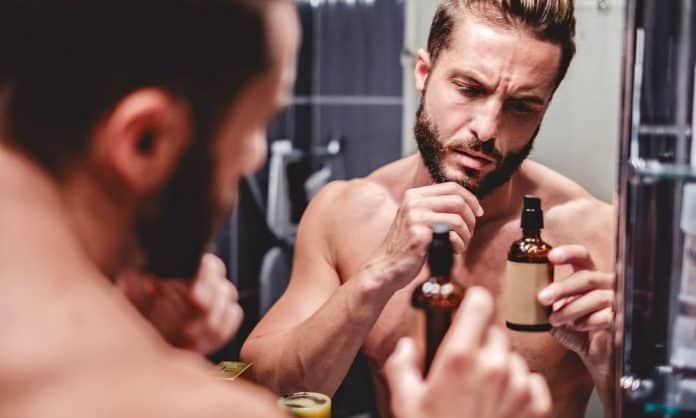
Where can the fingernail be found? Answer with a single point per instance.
(546, 296)
(202, 292)
(479, 212)
(402, 345)
(556, 254)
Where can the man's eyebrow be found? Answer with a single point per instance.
(530, 98)
(468, 76)
(472, 77)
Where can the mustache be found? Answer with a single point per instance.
(486, 148)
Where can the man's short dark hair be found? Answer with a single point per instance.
(548, 20)
(66, 63)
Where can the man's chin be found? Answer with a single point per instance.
(469, 179)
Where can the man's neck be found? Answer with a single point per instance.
(59, 220)
(496, 205)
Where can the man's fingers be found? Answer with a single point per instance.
(448, 189)
(458, 244)
(457, 224)
(213, 264)
(493, 367)
(204, 338)
(216, 313)
(467, 332)
(453, 204)
(600, 320)
(229, 321)
(139, 289)
(576, 284)
(429, 218)
(576, 255)
(515, 397)
(403, 376)
(581, 307)
(541, 397)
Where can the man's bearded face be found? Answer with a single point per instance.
(432, 150)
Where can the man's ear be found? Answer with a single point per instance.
(142, 139)
(422, 70)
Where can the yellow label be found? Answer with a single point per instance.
(523, 281)
(230, 370)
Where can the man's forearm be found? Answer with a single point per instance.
(317, 353)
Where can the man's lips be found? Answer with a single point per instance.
(472, 160)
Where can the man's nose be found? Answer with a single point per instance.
(486, 121)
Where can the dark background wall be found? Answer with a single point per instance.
(349, 86)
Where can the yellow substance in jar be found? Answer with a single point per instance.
(307, 405)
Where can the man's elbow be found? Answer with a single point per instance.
(252, 353)
(268, 368)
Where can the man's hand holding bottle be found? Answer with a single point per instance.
(474, 373)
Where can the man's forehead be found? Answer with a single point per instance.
(478, 46)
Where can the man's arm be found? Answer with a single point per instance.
(583, 299)
(309, 339)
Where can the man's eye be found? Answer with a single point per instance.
(520, 107)
(469, 91)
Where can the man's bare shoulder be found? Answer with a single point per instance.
(87, 353)
(571, 213)
(354, 199)
(184, 385)
(557, 191)
(342, 209)
(174, 385)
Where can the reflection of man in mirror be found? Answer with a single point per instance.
(125, 128)
(486, 80)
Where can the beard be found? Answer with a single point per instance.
(176, 226)
(432, 151)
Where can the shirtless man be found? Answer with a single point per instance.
(121, 142)
(485, 82)
(125, 128)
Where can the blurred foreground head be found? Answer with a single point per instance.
(152, 110)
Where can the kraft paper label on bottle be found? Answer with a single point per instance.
(523, 282)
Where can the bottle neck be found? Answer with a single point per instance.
(441, 278)
(531, 233)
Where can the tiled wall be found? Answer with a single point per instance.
(349, 85)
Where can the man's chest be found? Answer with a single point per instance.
(483, 265)
(398, 319)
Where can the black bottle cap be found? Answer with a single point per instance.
(532, 215)
(440, 252)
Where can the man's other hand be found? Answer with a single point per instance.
(474, 373)
(201, 315)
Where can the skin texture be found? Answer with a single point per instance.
(361, 244)
(73, 344)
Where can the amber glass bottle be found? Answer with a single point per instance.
(528, 271)
(438, 296)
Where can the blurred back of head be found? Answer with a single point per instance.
(65, 63)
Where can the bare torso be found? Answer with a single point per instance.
(366, 224)
(72, 350)
(71, 345)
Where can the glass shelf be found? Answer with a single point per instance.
(655, 170)
(671, 394)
